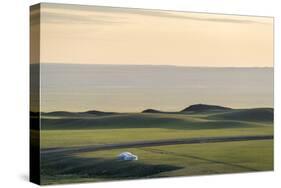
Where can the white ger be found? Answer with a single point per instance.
(127, 156)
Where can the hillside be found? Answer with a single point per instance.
(255, 115)
(204, 108)
(152, 111)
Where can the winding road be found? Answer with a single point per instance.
(150, 143)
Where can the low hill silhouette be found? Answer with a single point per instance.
(58, 113)
(66, 113)
(96, 112)
(204, 107)
(151, 111)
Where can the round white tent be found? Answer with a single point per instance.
(127, 156)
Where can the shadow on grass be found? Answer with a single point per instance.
(62, 167)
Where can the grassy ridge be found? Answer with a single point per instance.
(186, 120)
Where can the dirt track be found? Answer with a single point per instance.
(154, 143)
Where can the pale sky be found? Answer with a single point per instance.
(105, 35)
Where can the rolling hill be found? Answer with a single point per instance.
(204, 108)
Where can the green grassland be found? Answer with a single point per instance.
(61, 130)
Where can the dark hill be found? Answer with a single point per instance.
(151, 111)
(58, 113)
(204, 107)
(72, 114)
(96, 112)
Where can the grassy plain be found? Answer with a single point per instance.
(61, 130)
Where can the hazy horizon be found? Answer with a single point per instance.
(184, 66)
(133, 88)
